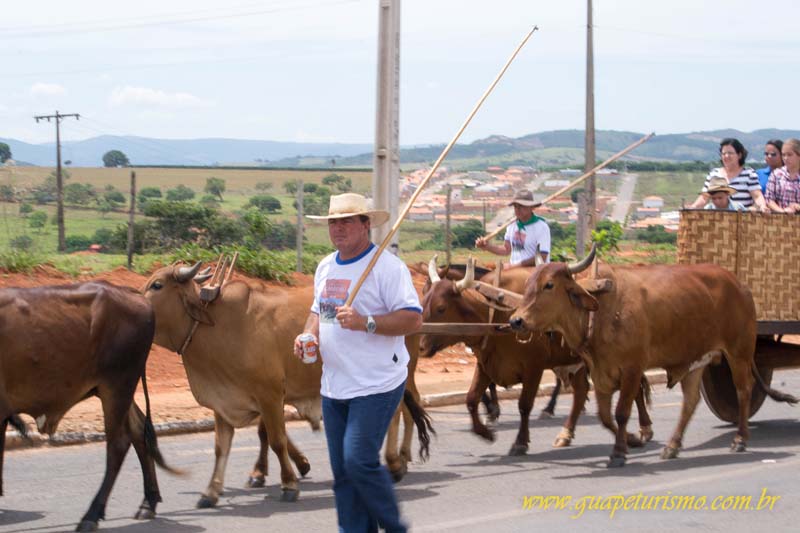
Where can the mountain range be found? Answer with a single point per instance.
(549, 148)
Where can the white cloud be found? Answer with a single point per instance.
(47, 89)
(121, 96)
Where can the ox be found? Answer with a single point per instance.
(502, 359)
(240, 363)
(676, 317)
(63, 344)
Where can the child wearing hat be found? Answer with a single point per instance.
(720, 193)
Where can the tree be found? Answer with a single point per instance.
(113, 196)
(180, 193)
(290, 187)
(263, 185)
(37, 220)
(215, 186)
(78, 193)
(341, 183)
(5, 152)
(104, 206)
(146, 194)
(7, 193)
(209, 201)
(265, 202)
(25, 209)
(607, 235)
(115, 158)
(464, 235)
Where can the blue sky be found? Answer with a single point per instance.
(304, 70)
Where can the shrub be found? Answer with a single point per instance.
(180, 193)
(21, 242)
(76, 243)
(265, 202)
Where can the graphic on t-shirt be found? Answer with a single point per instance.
(333, 295)
(518, 240)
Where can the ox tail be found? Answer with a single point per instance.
(145, 421)
(647, 391)
(19, 425)
(776, 395)
(423, 422)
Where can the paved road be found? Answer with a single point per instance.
(624, 195)
(468, 485)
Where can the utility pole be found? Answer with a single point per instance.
(386, 161)
(131, 220)
(447, 237)
(62, 246)
(299, 232)
(589, 142)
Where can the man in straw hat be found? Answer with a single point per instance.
(364, 360)
(720, 192)
(524, 236)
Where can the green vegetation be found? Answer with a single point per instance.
(115, 158)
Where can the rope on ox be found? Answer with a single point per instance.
(577, 181)
(433, 169)
(209, 293)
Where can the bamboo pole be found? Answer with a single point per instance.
(433, 169)
(578, 180)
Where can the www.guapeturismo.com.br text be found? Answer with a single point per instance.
(641, 502)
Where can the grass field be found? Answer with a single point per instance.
(240, 187)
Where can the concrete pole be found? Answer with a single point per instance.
(386, 162)
(590, 155)
(299, 232)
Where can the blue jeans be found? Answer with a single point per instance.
(363, 488)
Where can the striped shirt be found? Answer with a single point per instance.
(744, 183)
(783, 189)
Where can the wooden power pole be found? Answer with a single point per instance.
(589, 143)
(299, 232)
(386, 161)
(132, 214)
(62, 245)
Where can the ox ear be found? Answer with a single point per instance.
(582, 299)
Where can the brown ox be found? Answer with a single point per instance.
(240, 363)
(674, 317)
(502, 359)
(63, 344)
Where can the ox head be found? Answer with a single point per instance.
(554, 301)
(173, 293)
(443, 301)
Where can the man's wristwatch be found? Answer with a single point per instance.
(371, 324)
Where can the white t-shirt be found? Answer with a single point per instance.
(523, 241)
(357, 363)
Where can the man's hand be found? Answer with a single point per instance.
(298, 348)
(350, 319)
(481, 243)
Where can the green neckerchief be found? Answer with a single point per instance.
(534, 218)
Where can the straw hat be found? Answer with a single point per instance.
(524, 197)
(350, 204)
(719, 184)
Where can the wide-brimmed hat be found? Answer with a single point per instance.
(719, 184)
(349, 205)
(524, 197)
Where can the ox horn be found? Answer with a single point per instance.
(584, 263)
(469, 276)
(433, 273)
(203, 276)
(184, 273)
(538, 261)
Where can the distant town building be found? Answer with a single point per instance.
(653, 201)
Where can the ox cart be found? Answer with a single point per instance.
(763, 251)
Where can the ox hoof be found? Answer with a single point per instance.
(738, 446)
(255, 482)
(86, 525)
(399, 473)
(206, 502)
(145, 512)
(634, 441)
(304, 468)
(669, 452)
(289, 495)
(518, 449)
(564, 438)
(646, 433)
(546, 415)
(616, 461)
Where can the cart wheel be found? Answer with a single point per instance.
(720, 394)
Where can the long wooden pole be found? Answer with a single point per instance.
(579, 180)
(433, 169)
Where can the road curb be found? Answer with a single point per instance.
(35, 439)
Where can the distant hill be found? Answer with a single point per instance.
(549, 148)
(144, 151)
